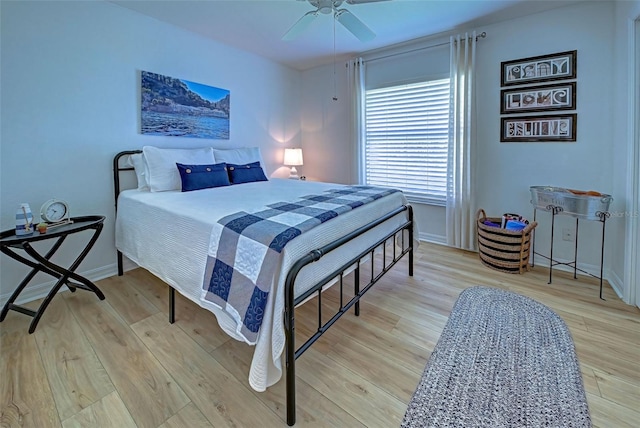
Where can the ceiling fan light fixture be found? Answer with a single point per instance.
(326, 6)
(343, 16)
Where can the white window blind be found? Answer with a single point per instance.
(407, 138)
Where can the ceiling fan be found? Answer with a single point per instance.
(343, 16)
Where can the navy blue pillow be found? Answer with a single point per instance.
(196, 177)
(246, 173)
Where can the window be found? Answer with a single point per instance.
(406, 139)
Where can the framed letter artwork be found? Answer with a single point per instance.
(558, 66)
(538, 128)
(538, 98)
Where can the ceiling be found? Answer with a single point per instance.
(258, 25)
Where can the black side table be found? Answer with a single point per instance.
(9, 243)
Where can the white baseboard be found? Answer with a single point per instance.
(616, 283)
(38, 291)
(607, 274)
(128, 264)
(434, 239)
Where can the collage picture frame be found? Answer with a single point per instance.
(560, 96)
(520, 129)
(539, 84)
(558, 66)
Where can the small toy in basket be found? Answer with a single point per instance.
(504, 249)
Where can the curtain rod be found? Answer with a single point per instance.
(479, 36)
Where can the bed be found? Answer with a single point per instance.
(182, 255)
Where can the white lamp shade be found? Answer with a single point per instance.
(293, 157)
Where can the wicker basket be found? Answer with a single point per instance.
(502, 249)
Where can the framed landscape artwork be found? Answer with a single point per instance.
(535, 69)
(177, 107)
(538, 98)
(539, 128)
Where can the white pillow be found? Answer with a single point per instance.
(161, 165)
(240, 156)
(139, 164)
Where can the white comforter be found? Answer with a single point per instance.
(168, 234)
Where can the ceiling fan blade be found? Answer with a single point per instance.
(353, 24)
(300, 25)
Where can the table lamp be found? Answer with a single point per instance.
(293, 158)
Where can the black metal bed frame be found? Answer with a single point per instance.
(291, 353)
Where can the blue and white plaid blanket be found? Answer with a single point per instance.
(245, 250)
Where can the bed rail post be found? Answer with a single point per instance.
(172, 305)
(289, 330)
(410, 240)
(120, 268)
(290, 359)
(356, 287)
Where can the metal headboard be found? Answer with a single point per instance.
(117, 169)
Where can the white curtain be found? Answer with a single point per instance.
(356, 88)
(461, 228)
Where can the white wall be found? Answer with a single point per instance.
(507, 170)
(70, 101)
(626, 109)
(328, 155)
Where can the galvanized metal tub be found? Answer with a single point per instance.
(584, 207)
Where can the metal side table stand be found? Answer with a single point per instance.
(10, 243)
(556, 210)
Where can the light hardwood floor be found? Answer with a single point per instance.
(119, 363)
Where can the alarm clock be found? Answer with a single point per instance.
(54, 210)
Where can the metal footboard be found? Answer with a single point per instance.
(291, 353)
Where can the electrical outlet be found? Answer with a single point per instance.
(568, 234)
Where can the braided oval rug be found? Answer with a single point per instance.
(503, 360)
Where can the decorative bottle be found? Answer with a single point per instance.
(24, 220)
